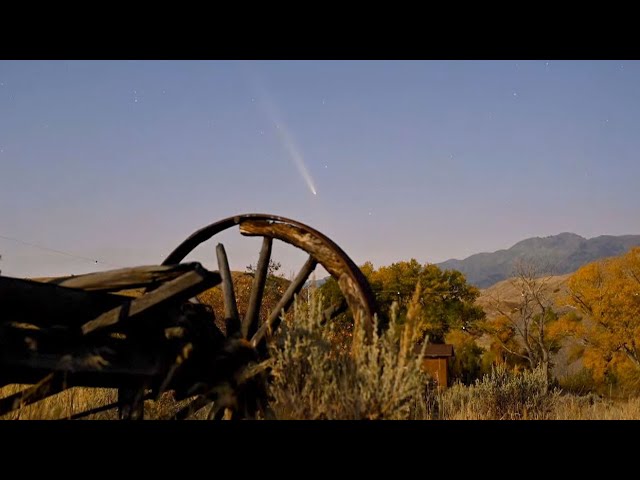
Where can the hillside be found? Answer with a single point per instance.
(564, 253)
(242, 282)
(509, 295)
(507, 292)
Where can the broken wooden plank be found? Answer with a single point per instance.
(177, 290)
(112, 371)
(121, 279)
(137, 362)
(45, 304)
(51, 340)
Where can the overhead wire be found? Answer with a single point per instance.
(60, 252)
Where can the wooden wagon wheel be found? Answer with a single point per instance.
(322, 250)
(67, 324)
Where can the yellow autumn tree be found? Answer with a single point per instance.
(466, 366)
(606, 294)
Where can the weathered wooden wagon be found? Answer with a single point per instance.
(88, 331)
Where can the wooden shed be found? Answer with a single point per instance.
(436, 362)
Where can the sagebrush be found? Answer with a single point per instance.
(377, 378)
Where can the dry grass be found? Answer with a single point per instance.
(79, 399)
(571, 407)
(513, 396)
(563, 407)
(63, 404)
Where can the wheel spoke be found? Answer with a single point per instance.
(230, 306)
(131, 403)
(250, 321)
(334, 310)
(103, 408)
(192, 407)
(285, 302)
(86, 413)
(48, 386)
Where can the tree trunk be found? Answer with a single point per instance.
(545, 371)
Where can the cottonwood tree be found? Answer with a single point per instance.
(606, 296)
(445, 297)
(524, 327)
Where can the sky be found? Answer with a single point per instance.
(106, 164)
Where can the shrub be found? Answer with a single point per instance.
(579, 383)
(376, 379)
(502, 394)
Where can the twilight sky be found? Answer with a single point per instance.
(119, 161)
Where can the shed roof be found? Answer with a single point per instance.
(438, 350)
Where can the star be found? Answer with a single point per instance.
(515, 94)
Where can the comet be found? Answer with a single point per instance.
(284, 133)
(294, 153)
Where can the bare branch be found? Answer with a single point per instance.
(504, 346)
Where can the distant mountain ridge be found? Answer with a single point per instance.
(564, 253)
(318, 282)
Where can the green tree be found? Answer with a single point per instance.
(446, 299)
(271, 269)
